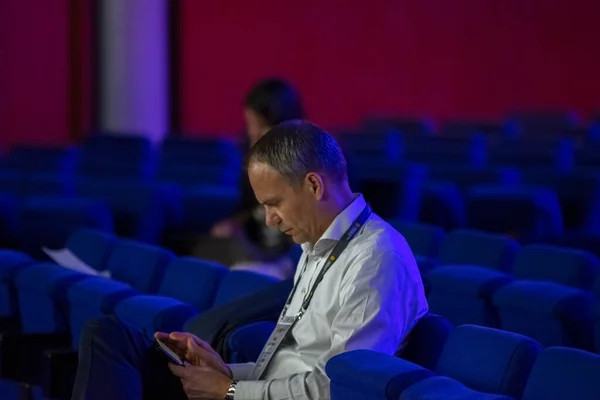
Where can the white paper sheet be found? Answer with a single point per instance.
(66, 258)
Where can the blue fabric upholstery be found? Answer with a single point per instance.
(521, 211)
(49, 221)
(200, 152)
(246, 343)
(119, 156)
(13, 390)
(488, 360)
(470, 247)
(570, 267)
(447, 150)
(393, 192)
(465, 176)
(155, 313)
(444, 388)
(189, 286)
(237, 284)
(140, 210)
(564, 373)
(9, 220)
(551, 313)
(42, 290)
(92, 246)
(426, 341)
(442, 205)
(94, 297)
(140, 265)
(11, 262)
(423, 239)
(35, 159)
(463, 294)
(365, 374)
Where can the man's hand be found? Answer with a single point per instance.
(196, 351)
(202, 382)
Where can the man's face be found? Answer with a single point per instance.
(293, 210)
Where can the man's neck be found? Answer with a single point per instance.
(337, 203)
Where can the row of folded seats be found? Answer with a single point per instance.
(467, 362)
(45, 305)
(549, 293)
(532, 205)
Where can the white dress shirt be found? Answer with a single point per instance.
(370, 298)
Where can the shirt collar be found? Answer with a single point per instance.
(340, 224)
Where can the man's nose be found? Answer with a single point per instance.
(271, 219)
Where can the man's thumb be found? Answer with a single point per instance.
(191, 344)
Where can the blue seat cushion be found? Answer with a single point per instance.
(48, 278)
(468, 280)
(100, 293)
(155, 313)
(444, 388)
(10, 262)
(374, 375)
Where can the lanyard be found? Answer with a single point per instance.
(285, 324)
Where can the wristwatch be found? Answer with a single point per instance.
(231, 392)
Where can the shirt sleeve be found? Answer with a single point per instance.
(381, 297)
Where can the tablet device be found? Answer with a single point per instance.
(171, 355)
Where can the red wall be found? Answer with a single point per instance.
(33, 71)
(351, 58)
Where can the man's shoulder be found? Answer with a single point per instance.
(380, 236)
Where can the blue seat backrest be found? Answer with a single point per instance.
(564, 373)
(570, 267)
(488, 360)
(471, 247)
(92, 246)
(423, 239)
(237, 284)
(140, 265)
(192, 281)
(426, 341)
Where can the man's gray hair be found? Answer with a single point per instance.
(294, 148)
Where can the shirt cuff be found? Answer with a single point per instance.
(250, 390)
(241, 372)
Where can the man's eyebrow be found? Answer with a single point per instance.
(269, 200)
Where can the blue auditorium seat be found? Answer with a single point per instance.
(472, 267)
(200, 152)
(406, 126)
(426, 341)
(442, 205)
(424, 240)
(366, 374)
(9, 220)
(521, 211)
(475, 360)
(39, 159)
(534, 153)
(446, 150)
(564, 373)
(13, 390)
(578, 193)
(237, 284)
(92, 246)
(544, 302)
(11, 262)
(49, 221)
(115, 156)
(393, 192)
(465, 176)
(135, 268)
(42, 293)
(369, 148)
(247, 342)
(140, 210)
(189, 286)
(540, 123)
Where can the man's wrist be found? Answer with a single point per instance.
(231, 392)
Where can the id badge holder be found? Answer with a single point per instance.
(281, 330)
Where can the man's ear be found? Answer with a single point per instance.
(314, 183)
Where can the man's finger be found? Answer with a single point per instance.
(178, 371)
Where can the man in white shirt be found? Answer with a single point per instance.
(357, 285)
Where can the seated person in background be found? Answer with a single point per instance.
(357, 287)
(243, 241)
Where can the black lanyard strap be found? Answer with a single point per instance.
(333, 256)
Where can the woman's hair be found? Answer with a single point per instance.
(275, 100)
